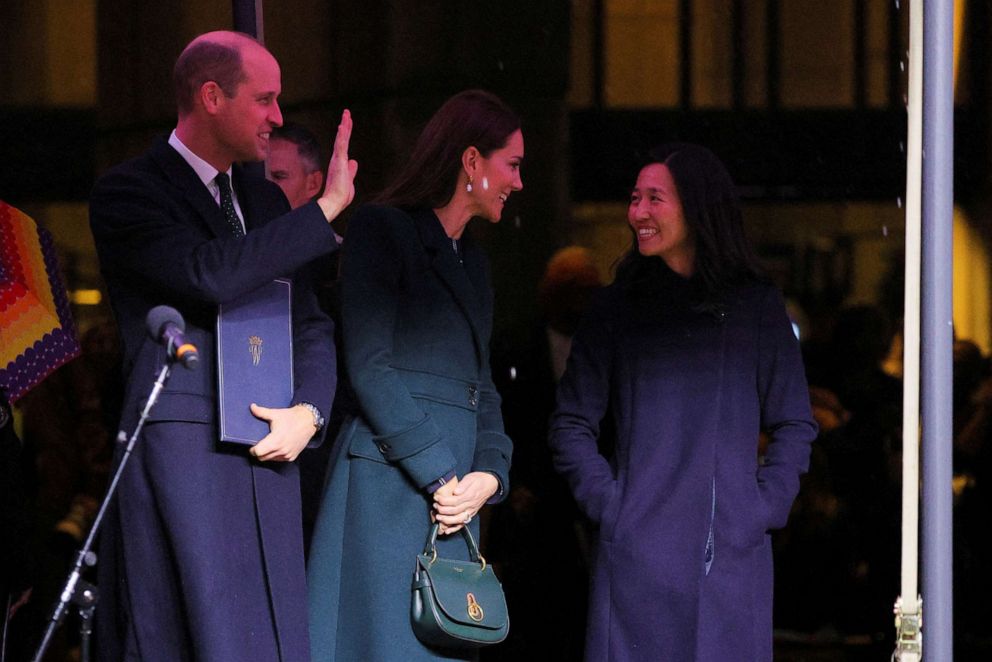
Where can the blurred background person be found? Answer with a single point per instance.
(540, 513)
(17, 513)
(294, 163)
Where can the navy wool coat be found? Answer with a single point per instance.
(683, 566)
(202, 555)
(416, 328)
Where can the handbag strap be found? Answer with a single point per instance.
(430, 549)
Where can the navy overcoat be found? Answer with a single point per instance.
(683, 566)
(416, 327)
(202, 557)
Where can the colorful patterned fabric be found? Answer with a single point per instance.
(36, 330)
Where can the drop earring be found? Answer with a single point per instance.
(468, 186)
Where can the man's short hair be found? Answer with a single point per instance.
(305, 141)
(202, 62)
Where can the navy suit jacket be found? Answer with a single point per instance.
(162, 239)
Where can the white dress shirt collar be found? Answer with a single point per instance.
(204, 170)
(207, 174)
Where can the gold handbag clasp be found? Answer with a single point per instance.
(474, 608)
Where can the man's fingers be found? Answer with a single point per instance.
(258, 411)
(343, 136)
(271, 454)
(265, 445)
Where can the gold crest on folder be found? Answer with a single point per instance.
(255, 347)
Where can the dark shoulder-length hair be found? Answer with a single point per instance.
(713, 217)
(473, 118)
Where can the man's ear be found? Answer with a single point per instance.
(211, 97)
(314, 183)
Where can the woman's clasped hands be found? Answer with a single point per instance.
(457, 501)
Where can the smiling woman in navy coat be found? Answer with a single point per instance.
(692, 353)
(417, 312)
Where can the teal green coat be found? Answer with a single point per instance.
(416, 326)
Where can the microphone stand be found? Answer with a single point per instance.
(76, 590)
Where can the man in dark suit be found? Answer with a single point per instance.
(202, 557)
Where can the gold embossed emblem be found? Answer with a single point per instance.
(474, 608)
(255, 347)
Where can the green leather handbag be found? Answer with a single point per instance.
(457, 604)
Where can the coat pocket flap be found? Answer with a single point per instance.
(362, 444)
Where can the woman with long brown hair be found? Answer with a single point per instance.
(427, 440)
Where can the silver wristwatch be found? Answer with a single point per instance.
(318, 419)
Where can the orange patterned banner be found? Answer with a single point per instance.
(36, 330)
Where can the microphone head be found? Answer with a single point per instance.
(159, 316)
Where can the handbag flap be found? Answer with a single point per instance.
(465, 592)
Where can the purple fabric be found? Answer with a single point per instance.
(688, 393)
(437, 484)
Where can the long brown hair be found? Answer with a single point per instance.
(473, 118)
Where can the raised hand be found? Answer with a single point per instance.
(339, 189)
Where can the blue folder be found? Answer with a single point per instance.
(254, 359)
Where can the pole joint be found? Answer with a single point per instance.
(909, 630)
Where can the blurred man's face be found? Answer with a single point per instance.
(286, 168)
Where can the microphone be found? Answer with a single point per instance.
(165, 325)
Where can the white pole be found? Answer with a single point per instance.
(908, 607)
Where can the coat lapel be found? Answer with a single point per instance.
(192, 189)
(456, 277)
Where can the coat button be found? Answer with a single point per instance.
(384, 447)
(473, 395)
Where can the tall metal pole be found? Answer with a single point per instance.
(248, 18)
(247, 15)
(938, 201)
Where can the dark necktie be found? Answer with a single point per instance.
(227, 204)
